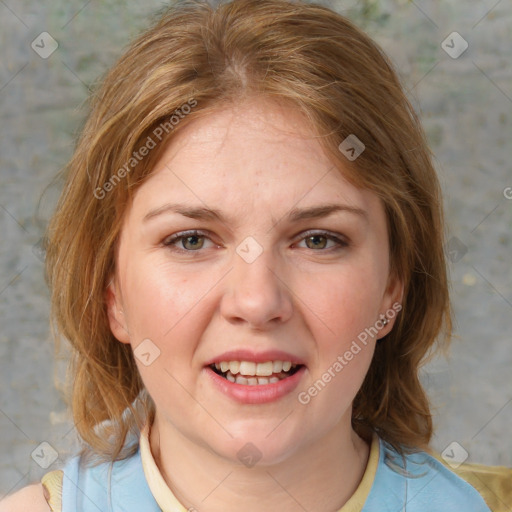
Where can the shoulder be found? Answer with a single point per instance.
(28, 499)
(493, 483)
(422, 480)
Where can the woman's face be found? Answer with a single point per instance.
(287, 263)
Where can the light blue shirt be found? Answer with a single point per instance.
(415, 482)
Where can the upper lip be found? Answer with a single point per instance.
(256, 357)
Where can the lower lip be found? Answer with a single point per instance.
(258, 394)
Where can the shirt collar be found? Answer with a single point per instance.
(169, 503)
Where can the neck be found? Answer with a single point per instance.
(321, 477)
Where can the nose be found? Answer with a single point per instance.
(257, 293)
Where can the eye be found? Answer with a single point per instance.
(190, 241)
(317, 240)
(194, 240)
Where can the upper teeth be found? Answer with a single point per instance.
(251, 368)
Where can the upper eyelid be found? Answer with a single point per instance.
(171, 239)
(313, 232)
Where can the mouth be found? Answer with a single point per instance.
(249, 373)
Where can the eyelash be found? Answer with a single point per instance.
(171, 240)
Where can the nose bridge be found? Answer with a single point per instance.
(257, 293)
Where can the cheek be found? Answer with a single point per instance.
(162, 300)
(166, 308)
(346, 307)
(348, 300)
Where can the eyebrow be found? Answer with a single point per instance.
(295, 215)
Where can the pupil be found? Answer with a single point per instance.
(188, 238)
(316, 237)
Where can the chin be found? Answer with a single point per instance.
(255, 447)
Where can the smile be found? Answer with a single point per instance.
(250, 373)
(248, 382)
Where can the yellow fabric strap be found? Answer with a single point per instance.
(494, 483)
(157, 485)
(358, 499)
(52, 488)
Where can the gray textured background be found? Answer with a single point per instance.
(466, 107)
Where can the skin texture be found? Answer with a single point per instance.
(254, 161)
(28, 499)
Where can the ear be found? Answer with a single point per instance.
(391, 303)
(115, 312)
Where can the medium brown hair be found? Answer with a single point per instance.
(297, 53)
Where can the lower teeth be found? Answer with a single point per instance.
(251, 381)
(254, 380)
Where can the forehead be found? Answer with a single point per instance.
(255, 130)
(257, 154)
